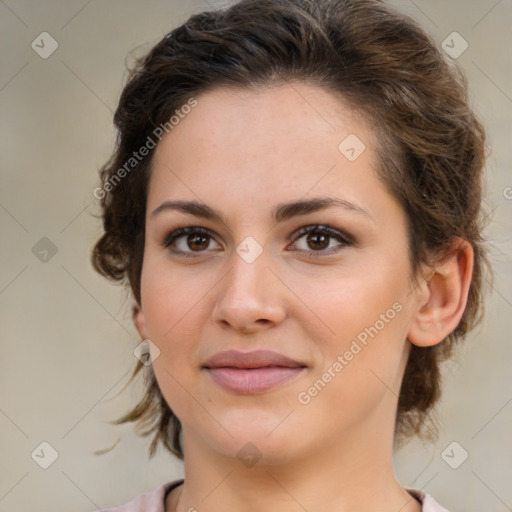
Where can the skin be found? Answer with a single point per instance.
(242, 153)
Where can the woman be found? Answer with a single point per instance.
(294, 201)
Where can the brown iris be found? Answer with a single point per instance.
(318, 238)
(200, 242)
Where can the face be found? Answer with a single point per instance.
(296, 248)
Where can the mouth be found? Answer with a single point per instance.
(250, 373)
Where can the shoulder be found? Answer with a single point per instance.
(151, 501)
(428, 504)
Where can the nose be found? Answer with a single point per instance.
(250, 297)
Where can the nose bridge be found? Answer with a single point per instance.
(248, 273)
(248, 292)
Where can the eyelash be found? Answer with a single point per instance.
(319, 229)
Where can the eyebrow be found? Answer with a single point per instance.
(280, 213)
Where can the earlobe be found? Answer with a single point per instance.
(443, 297)
(139, 321)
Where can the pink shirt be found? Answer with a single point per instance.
(154, 501)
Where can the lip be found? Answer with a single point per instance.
(250, 373)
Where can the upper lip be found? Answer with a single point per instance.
(254, 359)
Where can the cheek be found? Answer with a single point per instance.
(166, 315)
(354, 300)
(170, 299)
(359, 370)
(168, 307)
(364, 315)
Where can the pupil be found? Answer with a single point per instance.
(314, 238)
(195, 244)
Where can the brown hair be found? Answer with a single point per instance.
(431, 145)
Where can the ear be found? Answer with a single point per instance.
(443, 297)
(139, 321)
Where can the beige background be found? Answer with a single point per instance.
(66, 334)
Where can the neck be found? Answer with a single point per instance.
(350, 472)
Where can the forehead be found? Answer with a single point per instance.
(272, 115)
(265, 145)
(290, 121)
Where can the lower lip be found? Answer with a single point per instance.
(252, 381)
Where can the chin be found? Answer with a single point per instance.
(258, 434)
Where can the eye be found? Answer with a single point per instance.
(194, 238)
(317, 237)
